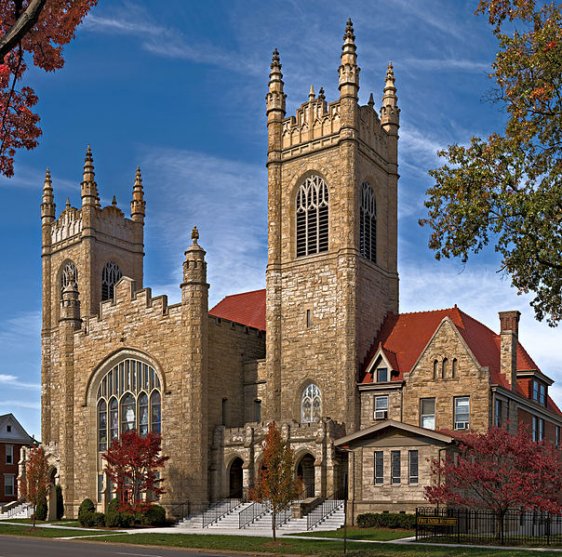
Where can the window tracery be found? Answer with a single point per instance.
(368, 223)
(109, 278)
(68, 270)
(128, 398)
(311, 404)
(312, 216)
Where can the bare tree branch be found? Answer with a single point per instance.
(22, 25)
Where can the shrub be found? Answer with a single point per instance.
(98, 519)
(155, 515)
(60, 502)
(116, 519)
(41, 509)
(86, 513)
(386, 520)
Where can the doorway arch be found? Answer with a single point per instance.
(306, 473)
(236, 479)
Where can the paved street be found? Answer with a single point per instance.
(11, 546)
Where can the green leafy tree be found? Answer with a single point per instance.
(277, 484)
(506, 190)
(37, 481)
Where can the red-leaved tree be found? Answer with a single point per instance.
(133, 464)
(499, 471)
(39, 28)
(36, 485)
(276, 483)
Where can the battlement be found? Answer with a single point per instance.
(68, 225)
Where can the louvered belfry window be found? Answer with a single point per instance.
(368, 223)
(312, 216)
(109, 277)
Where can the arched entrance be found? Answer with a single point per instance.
(305, 472)
(235, 479)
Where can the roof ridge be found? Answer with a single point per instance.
(244, 293)
(429, 311)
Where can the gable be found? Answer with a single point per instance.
(11, 431)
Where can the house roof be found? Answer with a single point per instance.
(403, 337)
(387, 424)
(247, 308)
(17, 434)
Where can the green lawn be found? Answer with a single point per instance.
(286, 546)
(28, 530)
(63, 522)
(378, 534)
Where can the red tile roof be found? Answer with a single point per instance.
(247, 308)
(403, 337)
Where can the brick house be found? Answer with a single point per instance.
(360, 391)
(12, 438)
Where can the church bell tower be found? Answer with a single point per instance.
(332, 241)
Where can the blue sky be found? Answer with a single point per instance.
(178, 88)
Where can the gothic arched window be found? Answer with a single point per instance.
(312, 216)
(68, 269)
(110, 275)
(128, 398)
(368, 223)
(311, 404)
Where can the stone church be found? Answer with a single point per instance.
(365, 395)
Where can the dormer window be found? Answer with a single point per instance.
(539, 392)
(382, 374)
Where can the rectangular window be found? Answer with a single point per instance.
(395, 466)
(557, 438)
(9, 428)
(382, 374)
(538, 429)
(462, 412)
(379, 467)
(413, 460)
(427, 413)
(381, 407)
(498, 413)
(542, 394)
(535, 395)
(257, 410)
(9, 485)
(308, 319)
(100, 487)
(9, 454)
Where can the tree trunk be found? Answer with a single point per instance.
(273, 517)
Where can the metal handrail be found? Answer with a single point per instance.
(282, 517)
(219, 510)
(323, 510)
(251, 513)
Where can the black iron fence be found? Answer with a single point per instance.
(458, 525)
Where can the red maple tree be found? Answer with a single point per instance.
(133, 464)
(39, 28)
(277, 484)
(499, 471)
(36, 484)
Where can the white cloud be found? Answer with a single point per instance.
(226, 199)
(20, 404)
(442, 64)
(32, 178)
(14, 381)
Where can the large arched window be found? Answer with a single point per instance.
(110, 275)
(130, 393)
(368, 223)
(68, 270)
(311, 404)
(312, 216)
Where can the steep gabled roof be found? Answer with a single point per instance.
(247, 308)
(403, 337)
(18, 435)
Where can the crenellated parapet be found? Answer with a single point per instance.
(68, 225)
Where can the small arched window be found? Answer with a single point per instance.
(444, 368)
(368, 223)
(68, 270)
(435, 369)
(312, 216)
(454, 368)
(311, 404)
(109, 277)
(128, 398)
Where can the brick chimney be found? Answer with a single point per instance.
(509, 330)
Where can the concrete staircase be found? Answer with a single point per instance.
(229, 519)
(16, 510)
